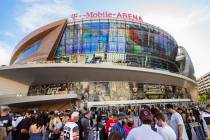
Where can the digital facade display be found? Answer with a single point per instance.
(142, 45)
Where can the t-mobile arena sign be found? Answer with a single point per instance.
(119, 15)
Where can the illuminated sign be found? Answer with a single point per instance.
(119, 15)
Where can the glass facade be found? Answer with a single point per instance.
(121, 42)
(111, 91)
(29, 52)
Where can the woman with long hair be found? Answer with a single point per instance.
(36, 130)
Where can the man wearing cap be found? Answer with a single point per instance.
(71, 129)
(144, 132)
(120, 125)
(110, 123)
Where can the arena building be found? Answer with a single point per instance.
(102, 60)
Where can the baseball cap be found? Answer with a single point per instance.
(145, 114)
(122, 116)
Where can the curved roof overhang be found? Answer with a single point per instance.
(67, 72)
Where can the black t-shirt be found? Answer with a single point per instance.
(6, 121)
(86, 126)
(26, 123)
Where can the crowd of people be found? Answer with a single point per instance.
(166, 123)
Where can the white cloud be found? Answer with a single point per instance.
(7, 34)
(38, 13)
(5, 53)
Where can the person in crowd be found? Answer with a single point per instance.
(196, 113)
(120, 125)
(65, 117)
(176, 123)
(180, 111)
(110, 123)
(25, 125)
(130, 125)
(115, 136)
(55, 126)
(71, 129)
(144, 132)
(121, 110)
(6, 122)
(163, 128)
(154, 111)
(36, 130)
(100, 128)
(86, 130)
(206, 121)
(15, 125)
(83, 111)
(145, 107)
(46, 117)
(187, 119)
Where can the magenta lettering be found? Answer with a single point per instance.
(119, 15)
(130, 16)
(124, 15)
(105, 14)
(89, 15)
(135, 17)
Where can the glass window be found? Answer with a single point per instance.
(129, 48)
(121, 32)
(121, 47)
(121, 39)
(112, 47)
(93, 47)
(29, 52)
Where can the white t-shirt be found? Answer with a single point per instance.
(15, 123)
(206, 124)
(71, 131)
(176, 119)
(144, 132)
(166, 132)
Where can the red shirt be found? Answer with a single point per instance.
(111, 122)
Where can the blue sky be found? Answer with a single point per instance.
(187, 20)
